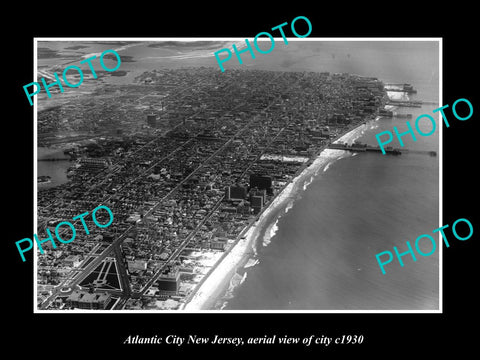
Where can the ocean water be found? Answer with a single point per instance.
(318, 251)
(57, 170)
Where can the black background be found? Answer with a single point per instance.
(93, 335)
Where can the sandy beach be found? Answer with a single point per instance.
(217, 281)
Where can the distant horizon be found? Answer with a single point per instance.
(388, 60)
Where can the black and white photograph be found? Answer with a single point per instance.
(204, 183)
(262, 187)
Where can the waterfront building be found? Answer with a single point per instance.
(257, 192)
(256, 203)
(218, 244)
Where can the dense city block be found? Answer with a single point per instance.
(186, 159)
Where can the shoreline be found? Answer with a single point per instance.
(217, 280)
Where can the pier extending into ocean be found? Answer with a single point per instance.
(359, 147)
(405, 103)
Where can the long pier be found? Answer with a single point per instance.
(358, 147)
(413, 91)
(405, 103)
(424, 152)
(410, 103)
(392, 114)
(364, 148)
